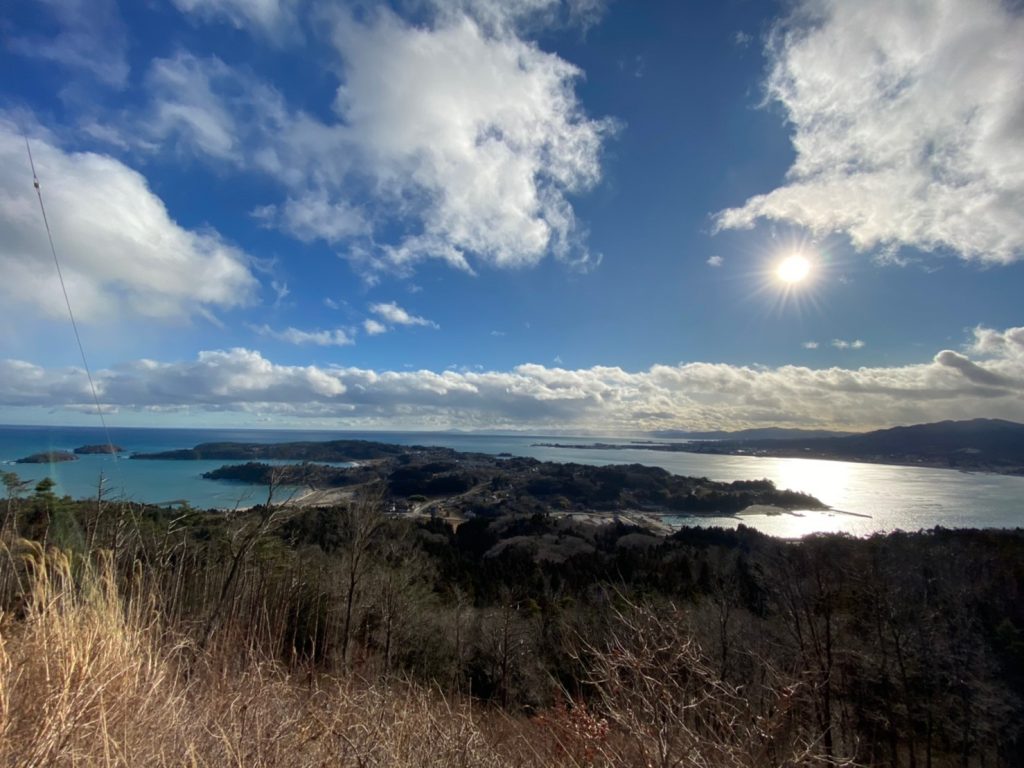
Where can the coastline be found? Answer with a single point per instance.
(768, 453)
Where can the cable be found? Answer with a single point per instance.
(67, 301)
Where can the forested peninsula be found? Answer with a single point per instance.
(412, 478)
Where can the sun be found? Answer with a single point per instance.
(793, 269)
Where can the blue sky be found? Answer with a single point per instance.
(557, 214)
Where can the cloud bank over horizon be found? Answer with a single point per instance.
(986, 378)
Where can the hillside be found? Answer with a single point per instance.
(331, 450)
(758, 433)
(984, 445)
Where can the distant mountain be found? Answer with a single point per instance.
(986, 445)
(994, 437)
(763, 433)
(982, 444)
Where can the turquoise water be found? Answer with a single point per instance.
(869, 497)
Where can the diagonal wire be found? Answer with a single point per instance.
(67, 301)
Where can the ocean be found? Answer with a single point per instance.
(866, 498)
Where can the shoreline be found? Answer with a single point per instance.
(761, 453)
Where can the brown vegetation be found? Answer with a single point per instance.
(284, 637)
(89, 676)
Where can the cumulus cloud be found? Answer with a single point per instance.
(715, 261)
(484, 131)
(392, 313)
(120, 250)
(374, 327)
(334, 338)
(810, 345)
(906, 125)
(470, 139)
(971, 370)
(988, 342)
(91, 38)
(694, 395)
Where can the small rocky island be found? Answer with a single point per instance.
(47, 457)
(84, 450)
(456, 484)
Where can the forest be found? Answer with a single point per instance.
(525, 639)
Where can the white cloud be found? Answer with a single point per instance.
(843, 344)
(272, 18)
(334, 338)
(281, 291)
(971, 370)
(518, 16)
(373, 327)
(187, 105)
(471, 141)
(906, 125)
(715, 261)
(697, 395)
(91, 38)
(810, 345)
(202, 106)
(1008, 344)
(120, 250)
(486, 131)
(276, 18)
(394, 314)
(313, 216)
(105, 134)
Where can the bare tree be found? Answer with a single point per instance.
(242, 540)
(667, 705)
(361, 522)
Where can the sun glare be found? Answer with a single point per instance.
(793, 269)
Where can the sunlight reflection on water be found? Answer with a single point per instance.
(878, 497)
(881, 497)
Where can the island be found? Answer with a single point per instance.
(47, 457)
(976, 445)
(99, 448)
(326, 451)
(460, 485)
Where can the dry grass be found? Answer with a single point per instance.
(88, 677)
(91, 677)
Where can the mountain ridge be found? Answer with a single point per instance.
(984, 445)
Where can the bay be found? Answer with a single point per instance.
(866, 497)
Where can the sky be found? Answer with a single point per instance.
(543, 215)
